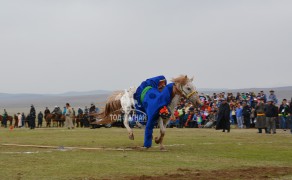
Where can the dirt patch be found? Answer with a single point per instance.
(248, 173)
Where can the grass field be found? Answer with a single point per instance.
(191, 154)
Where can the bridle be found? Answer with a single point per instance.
(183, 93)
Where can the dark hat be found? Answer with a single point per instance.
(272, 90)
(191, 109)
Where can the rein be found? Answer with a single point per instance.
(183, 93)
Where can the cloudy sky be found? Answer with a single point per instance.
(53, 46)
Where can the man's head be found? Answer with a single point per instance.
(67, 105)
(272, 91)
(161, 84)
(261, 100)
(284, 101)
(223, 100)
(270, 101)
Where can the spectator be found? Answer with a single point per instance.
(223, 121)
(32, 118)
(91, 115)
(246, 112)
(40, 119)
(233, 115)
(239, 116)
(271, 112)
(190, 122)
(273, 97)
(57, 112)
(264, 96)
(23, 119)
(64, 110)
(252, 117)
(284, 111)
(290, 114)
(198, 119)
(46, 112)
(79, 111)
(19, 117)
(4, 120)
(86, 110)
(261, 117)
(68, 117)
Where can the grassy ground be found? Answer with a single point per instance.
(188, 150)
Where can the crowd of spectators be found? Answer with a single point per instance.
(244, 111)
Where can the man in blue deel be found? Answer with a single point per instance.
(152, 95)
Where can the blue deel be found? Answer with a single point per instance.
(153, 102)
(153, 82)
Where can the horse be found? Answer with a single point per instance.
(124, 101)
(57, 122)
(15, 121)
(82, 120)
(9, 118)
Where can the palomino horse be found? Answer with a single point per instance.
(58, 122)
(9, 118)
(182, 87)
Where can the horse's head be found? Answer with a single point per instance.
(186, 89)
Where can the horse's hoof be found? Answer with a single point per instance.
(131, 136)
(162, 148)
(157, 141)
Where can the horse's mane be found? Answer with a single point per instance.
(182, 79)
(114, 96)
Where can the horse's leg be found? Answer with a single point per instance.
(77, 122)
(159, 139)
(126, 124)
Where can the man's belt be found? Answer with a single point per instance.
(145, 90)
(261, 114)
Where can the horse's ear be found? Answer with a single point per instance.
(192, 79)
(186, 77)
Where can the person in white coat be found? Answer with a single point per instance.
(19, 116)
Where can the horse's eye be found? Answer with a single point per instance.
(189, 89)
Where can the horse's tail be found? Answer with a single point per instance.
(113, 107)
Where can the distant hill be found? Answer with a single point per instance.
(75, 93)
(22, 102)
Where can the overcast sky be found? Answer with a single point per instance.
(53, 46)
